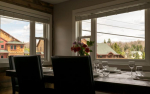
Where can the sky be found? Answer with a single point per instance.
(20, 29)
(128, 24)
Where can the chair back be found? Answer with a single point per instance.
(73, 75)
(29, 73)
(14, 80)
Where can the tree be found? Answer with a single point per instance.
(104, 41)
(137, 56)
(109, 41)
(129, 54)
(116, 48)
(126, 47)
(137, 48)
(141, 48)
(143, 55)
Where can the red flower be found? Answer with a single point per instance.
(84, 46)
(75, 49)
(72, 48)
(87, 50)
(78, 48)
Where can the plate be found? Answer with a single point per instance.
(113, 69)
(47, 69)
(95, 74)
(145, 75)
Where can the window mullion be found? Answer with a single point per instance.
(32, 38)
(147, 29)
(45, 41)
(93, 37)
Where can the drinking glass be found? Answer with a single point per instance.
(139, 70)
(96, 67)
(42, 61)
(105, 72)
(131, 66)
(104, 64)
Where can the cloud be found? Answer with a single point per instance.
(6, 20)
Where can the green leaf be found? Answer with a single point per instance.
(90, 43)
(87, 54)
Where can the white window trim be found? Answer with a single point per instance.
(47, 28)
(121, 63)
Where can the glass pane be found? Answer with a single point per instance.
(121, 36)
(84, 41)
(14, 34)
(39, 30)
(40, 47)
(86, 27)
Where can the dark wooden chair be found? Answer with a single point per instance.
(73, 75)
(14, 80)
(30, 75)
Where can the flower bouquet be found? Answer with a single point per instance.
(81, 48)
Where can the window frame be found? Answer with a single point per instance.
(2, 46)
(120, 63)
(15, 47)
(48, 28)
(11, 47)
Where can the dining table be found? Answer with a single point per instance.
(115, 83)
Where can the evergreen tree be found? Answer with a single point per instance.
(109, 41)
(116, 48)
(104, 41)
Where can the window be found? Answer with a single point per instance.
(21, 46)
(11, 47)
(120, 32)
(18, 25)
(14, 47)
(1, 56)
(2, 46)
(41, 37)
(122, 35)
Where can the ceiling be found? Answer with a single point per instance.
(54, 1)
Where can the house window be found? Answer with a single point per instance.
(2, 46)
(21, 46)
(1, 56)
(11, 47)
(14, 47)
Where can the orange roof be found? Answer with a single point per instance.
(10, 35)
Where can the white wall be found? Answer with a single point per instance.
(62, 24)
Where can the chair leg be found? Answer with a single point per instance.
(14, 92)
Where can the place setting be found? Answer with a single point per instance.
(139, 74)
(105, 70)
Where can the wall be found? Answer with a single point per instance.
(62, 24)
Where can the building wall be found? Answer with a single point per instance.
(62, 24)
(3, 43)
(18, 51)
(40, 46)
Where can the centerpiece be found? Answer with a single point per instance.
(81, 48)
